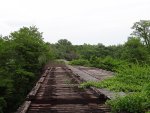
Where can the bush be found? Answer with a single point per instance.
(132, 103)
(80, 62)
(107, 63)
(128, 79)
(135, 81)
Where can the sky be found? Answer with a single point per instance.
(80, 21)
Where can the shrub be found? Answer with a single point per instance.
(107, 63)
(135, 81)
(127, 79)
(81, 62)
(132, 103)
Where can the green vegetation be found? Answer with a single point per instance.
(127, 79)
(23, 54)
(134, 80)
(131, 64)
(107, 63)
(132, 103)
(80, 62)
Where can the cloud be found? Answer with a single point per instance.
(80, 21)
(19, 23)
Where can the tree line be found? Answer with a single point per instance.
(136, 49)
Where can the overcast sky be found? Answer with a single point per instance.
(80, 21)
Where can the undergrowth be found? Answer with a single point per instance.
(134, 80)
(80, 62)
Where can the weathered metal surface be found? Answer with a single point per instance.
(94, 74)
(82, 74)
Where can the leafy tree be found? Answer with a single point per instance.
(142, 31)
(135, 51)
(27, 43)
(22, 55)
(65, 49)
(64, 42)
(115, 51)
(86, 51)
